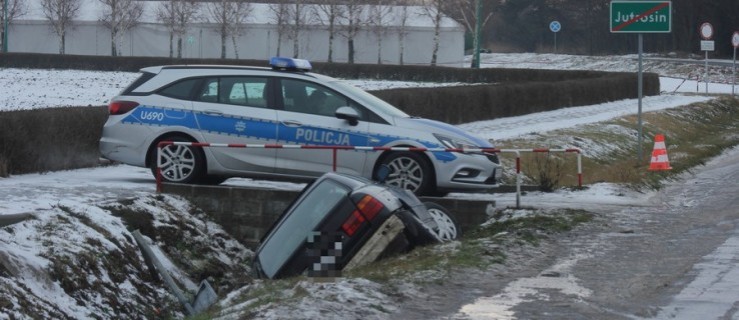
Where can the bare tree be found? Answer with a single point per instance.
(177, 16)
(280, 16)
(230, 16)
(402, 19)
(60, 14)
(296, 19)
(165, 14)
(352, 22)
(433, 9)
(464, 11)
(328, 14)
(379, 16)
(120, 16)
(16, 8)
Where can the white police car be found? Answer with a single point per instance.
(285, 104)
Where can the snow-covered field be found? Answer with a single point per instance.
(34, 89)
(31, 89)
(48, 196)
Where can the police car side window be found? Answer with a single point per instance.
(244, 91)
(209, 91)
(307, 97)
(180, 90)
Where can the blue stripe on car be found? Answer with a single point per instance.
(265, 130)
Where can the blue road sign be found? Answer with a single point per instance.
(555, 26)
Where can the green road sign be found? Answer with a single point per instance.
(641, 16)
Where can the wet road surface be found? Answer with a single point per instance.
(675, 259)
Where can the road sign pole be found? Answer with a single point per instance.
(5, 26)
(705, 73)
(641, 17)
(478, 35)
(706, 33)
(735, 44)
(734, 73)
(640, 83)
(554, 27)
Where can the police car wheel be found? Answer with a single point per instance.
(447, 226)
(409, 170)
(181, 164)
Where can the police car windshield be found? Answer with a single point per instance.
(376, 104)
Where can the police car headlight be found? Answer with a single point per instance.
(455, 143)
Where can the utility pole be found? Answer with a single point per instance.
(5, 26)
(478, 34)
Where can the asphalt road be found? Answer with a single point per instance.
(677, 258)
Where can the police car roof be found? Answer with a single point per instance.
(276, 63)
(157, 69)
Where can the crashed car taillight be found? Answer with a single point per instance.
(367, 209)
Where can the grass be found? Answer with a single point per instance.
(693, 135)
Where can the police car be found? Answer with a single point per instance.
(282, 105)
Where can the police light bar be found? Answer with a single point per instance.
(280, 63)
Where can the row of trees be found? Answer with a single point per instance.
(120, 16)
(341, 18)
(519, 25)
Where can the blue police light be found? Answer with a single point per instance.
(280, 63)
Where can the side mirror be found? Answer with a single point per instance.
(381, 174)
(348, 114)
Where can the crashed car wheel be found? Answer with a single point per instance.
(409, 170)
(181, 164)
(448, 228)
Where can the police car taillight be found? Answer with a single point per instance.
(121, 107)
(280, 63)
(367, 209)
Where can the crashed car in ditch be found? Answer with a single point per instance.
(342, 221)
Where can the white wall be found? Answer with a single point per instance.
(89, 37)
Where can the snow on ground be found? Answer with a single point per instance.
(50, 195)
(32, 89)
(511, 127)
(665, 67)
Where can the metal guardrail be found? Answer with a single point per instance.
(335, 149)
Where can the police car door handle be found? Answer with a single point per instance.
(292, 123)
(211, 112)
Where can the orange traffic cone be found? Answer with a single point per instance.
(659, 155)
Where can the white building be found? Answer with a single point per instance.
(33, 33)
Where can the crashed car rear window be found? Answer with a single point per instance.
(303, 219)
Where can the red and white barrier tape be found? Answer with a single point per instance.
(363, 148)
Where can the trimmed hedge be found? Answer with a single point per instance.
(50, 139)
(482, 102)
(67, 138)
